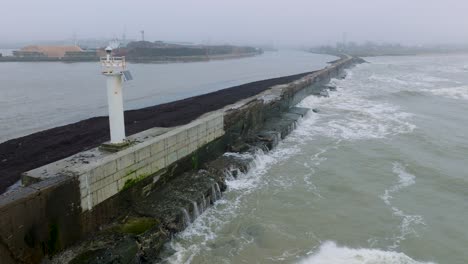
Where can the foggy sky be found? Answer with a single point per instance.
(278, 22)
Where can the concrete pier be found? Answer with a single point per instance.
(66, 201)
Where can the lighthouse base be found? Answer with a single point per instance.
(114, 147)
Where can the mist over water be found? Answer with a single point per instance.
(377, 176)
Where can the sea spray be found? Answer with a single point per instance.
(213, 194)
(196, 212)
(203, 203)
(218, 190)
(186, 217)
(329, 252)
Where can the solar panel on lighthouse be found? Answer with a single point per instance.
(127, 76)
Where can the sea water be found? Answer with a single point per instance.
(379, 175)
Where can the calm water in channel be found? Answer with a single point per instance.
(377, 176)
(41, 95)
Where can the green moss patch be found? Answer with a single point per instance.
(137, 226)
(131, 182)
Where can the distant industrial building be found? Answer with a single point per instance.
(46, 51)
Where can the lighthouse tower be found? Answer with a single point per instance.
(114, 68)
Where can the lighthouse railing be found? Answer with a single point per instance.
(111, 64)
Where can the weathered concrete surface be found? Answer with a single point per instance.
(39, 220)
(102, 174)
(198, 178)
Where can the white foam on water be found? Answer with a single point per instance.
(458, 92)
(432, 79)
(348, 115)
(392, 80)
(408, 222)
(330, 253)
(198, 236)
(405, 179)
(447, 68)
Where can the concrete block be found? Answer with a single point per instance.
(192, 132)
(158, 165)
(193, 139)
(104, 193)
(96, 186)
(94, 199)
(201, 129)
(143, 153)
(100, 196)
(159, 155)
(211, 123)
(173, 148)
(158, 147)
(114, 189)
(210, 136)
(219, 133)
(193, 146)
(220, 119)
(120, 184)
(144, 172)
(125, 161)
(108, 180)
(96, 175)
(84, 192)
(84, 203)
(202, 140)
(170, 141)
(138, 165)
(118, 175)
(110, 168)
(171, 158)
(182, 136)
(83, 179)
(182, 152)
(109, 191)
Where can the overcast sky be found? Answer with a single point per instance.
(279, 22)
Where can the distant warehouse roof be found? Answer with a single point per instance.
(52, 51)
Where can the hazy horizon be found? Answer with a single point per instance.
(292, 23)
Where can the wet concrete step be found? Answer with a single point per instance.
(299, 110)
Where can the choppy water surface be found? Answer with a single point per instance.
(40, 95)
(378, 176)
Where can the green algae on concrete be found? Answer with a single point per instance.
(137, 226)
(131, 182)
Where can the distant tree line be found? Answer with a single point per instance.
(157, 49)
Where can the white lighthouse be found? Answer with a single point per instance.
(114, 68)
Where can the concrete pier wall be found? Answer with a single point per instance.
(67, 200)
(102, 174)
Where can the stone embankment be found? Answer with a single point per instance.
(123, 207)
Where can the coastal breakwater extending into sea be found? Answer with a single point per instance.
(142, 195)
